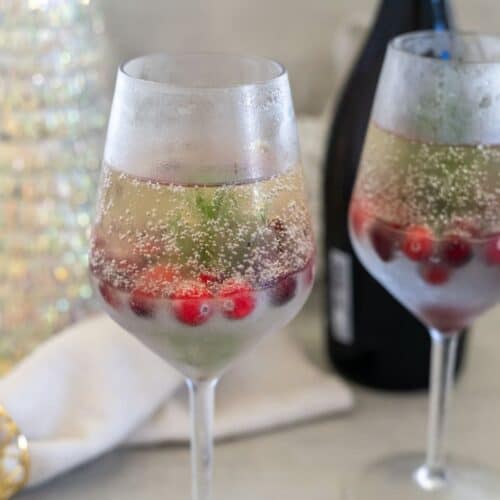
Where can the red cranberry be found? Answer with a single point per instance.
(384, 241)
(109, 294)
(434, 274)
(418, 243)
(283, 290)
(456, 250)
(237, 299)
(492, 250)
(192, 303)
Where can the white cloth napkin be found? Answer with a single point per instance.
(94, 387)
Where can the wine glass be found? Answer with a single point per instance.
(424, 219)
(202, 241)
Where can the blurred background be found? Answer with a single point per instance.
(315, 40)
(58, 62)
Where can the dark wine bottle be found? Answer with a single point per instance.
(372, 339)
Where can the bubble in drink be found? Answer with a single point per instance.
(424, 221)
(200, 272)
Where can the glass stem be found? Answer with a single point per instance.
(444, 353)
(201, 397)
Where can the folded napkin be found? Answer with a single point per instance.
(94, 387)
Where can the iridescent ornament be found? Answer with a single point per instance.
(53, 111)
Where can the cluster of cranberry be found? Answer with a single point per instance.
(437, 257)
(194, 301)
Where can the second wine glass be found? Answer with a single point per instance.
(202, 241)
(425, 221)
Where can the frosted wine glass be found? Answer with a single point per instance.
(202, 241)
(425, 222)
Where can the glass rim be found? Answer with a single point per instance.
(280, 71)
(396, 45)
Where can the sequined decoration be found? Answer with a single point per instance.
(52, 115)
(15, 458)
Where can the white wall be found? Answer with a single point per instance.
(313, 38)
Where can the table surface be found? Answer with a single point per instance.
(310, 460)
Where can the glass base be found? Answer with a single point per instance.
(402, 477)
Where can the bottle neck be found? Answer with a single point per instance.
(434, 14)
(425, 14)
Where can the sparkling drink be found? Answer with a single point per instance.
(363, 327)
(200, 272)
(202, 241)
(424, 221)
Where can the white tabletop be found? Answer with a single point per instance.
(308, 461)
